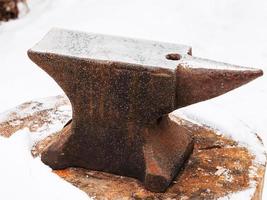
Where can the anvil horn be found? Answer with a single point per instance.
(202, 79)
(122, 91)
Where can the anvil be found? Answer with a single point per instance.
(121, 91)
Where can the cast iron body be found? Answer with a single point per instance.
(121, 91)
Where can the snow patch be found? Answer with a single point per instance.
(195, 62)
(244, 194)
(226, 173)
(23, 177)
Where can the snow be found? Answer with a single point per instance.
(73, 43)
(229, 31)
(59, 112)
(195, 62)
(245, 194)
(221, 171)
(23, 177)
(108, 48)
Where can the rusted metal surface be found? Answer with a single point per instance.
(121, 91)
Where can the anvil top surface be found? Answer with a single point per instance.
(121, 49)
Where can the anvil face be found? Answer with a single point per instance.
(121, 91)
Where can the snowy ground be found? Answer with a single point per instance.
(232, 31)
(23, 177)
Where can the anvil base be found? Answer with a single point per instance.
(153, 154)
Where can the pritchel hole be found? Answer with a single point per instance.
(173, 56)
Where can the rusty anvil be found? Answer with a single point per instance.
(121, 91)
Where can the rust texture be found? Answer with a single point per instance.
(121, 91)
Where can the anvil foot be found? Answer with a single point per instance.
(164, 148)
(54, 154)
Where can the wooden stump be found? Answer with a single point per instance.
(219, 167)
